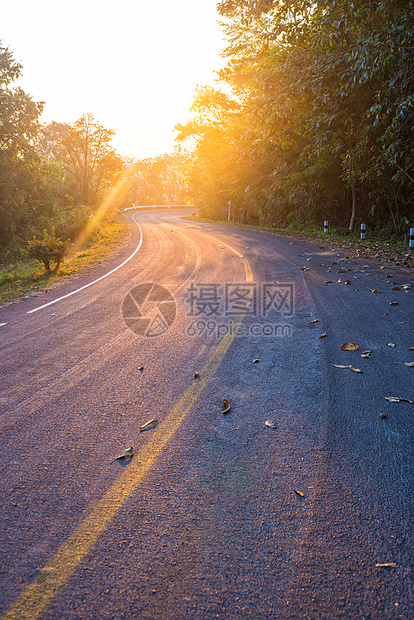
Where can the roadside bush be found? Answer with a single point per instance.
(6, 278)
(47, 250)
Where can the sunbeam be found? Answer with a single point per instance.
(116, 193)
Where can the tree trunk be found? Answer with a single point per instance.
(352, 220)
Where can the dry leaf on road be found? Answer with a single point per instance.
(386, 565)
(271, 424)
(322, 335)
(299, 493)
(125, 455)
(256, 361)
(349, 346)
(398, 399)
(391, 344)
(148, 425)
(366, 354)
(349, 367)
(225, 407)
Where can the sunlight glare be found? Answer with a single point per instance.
(134, 66)
(116, 193)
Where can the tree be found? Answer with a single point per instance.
(160, 180)
(53, 175)
(18, 112)
(50, 139)
(48, 249)
(325, 113)
(18, 126)
(90, 160)
(214, 163)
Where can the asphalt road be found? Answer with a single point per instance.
(216, 515)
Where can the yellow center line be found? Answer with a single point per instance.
(35, 599)
(247, 268)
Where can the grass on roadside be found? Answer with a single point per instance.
(25, 278)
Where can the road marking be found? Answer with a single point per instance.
(35, 599)
(197, 253)
(95, 281)
(248, 269)
(1, 324)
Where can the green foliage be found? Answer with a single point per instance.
(18, 125)
(53, 175)
(47, 250)
(159, 180)
(321, 115)
(92, 164)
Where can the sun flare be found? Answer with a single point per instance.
(110, 201)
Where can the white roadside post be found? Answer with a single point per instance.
(411, 237)
(325, 227)
(228, 217)
(362, 231)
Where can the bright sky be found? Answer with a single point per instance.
(134, 64)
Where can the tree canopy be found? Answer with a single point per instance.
(53, 175)
(18, 125)
(65, 177)
(312, 116)
(159, 180)
(91, 161)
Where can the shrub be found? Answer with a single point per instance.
(47, 250)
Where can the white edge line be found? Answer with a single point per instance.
(95, 281)
(1, 324)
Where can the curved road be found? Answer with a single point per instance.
(216, 515)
